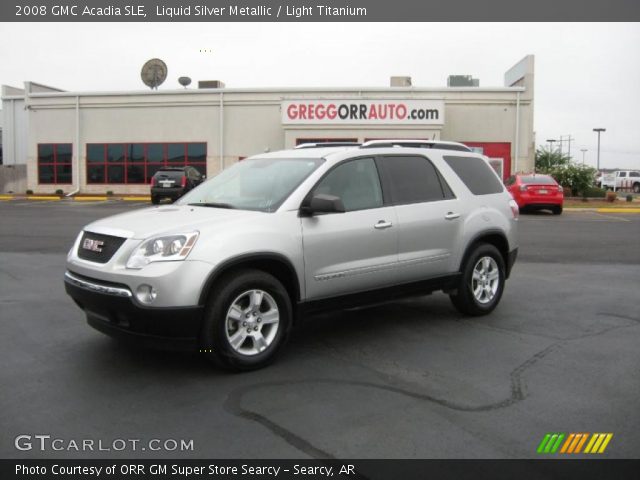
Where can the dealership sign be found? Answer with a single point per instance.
(357, 111)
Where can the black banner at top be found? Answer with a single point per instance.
(318, 10)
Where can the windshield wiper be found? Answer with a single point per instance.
(212, 205)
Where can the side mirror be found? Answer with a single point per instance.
(322, 203)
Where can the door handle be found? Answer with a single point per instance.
(383, 224)
(451, 216)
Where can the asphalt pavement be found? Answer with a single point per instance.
(411, 379)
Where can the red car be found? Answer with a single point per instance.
(536, 191)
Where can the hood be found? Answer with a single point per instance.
(148, 222)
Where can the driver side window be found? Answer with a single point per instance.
(356, 182)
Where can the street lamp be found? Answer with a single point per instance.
(583, 150)
(551, 141)
(599, 130)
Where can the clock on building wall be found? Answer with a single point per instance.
(153, 73)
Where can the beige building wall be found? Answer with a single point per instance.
(236, 123)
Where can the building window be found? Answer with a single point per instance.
(54, 163)
(135, 163)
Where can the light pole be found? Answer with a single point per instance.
(583, 150)
(599, 130)
(551, 141)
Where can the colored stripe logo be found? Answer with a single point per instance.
(573, 443)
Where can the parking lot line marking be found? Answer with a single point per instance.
(43, 197)
(611, 217)
(89, 199)
(136, 199)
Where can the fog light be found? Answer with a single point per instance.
(146, 293)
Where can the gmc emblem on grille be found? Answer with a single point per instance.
(93, 245)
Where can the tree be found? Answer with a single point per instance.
(547, 160)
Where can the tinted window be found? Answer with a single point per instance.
(155, 152)
(136, 153)
(95, 152)
(476, 174)
(196, 152)
(115, 153)
(175, 152)
(622, 174)
(356, 183)
(634, 174)
(538, 179)
(45, 153)
(413, 180)
(64, 153)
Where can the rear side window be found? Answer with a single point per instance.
(476, 174)
(414, 180)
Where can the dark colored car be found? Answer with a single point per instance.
(536, 191)
(173, 182)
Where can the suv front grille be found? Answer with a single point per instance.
(98, 248)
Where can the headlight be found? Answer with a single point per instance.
(167, 248)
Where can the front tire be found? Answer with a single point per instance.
(482, 281)
(247, 320)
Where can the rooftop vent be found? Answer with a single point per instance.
(462, 81)
(400, 81)
(210, 84)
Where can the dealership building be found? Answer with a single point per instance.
(94, 142)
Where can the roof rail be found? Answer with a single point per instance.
(440, 144)
(328, 144)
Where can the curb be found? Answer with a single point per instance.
(618, 210)
(4, 197)
(603, 210)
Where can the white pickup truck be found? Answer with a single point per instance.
(622, 180)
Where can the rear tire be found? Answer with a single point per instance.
(155, 199)
(482, 281)
(557, 210)
(247, 320)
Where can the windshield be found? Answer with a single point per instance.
(257, 184)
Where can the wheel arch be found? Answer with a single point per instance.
(496, 238)
(273, 263)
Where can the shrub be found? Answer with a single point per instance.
(611, 197)
(59, 191)
(109, 193)
(594, 192)
(578, 178)
(29, 192)
(629, 198)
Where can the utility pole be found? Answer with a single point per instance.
(569, 140)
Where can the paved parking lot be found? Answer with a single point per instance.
(412, 379)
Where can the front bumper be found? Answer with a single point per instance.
(112, 309)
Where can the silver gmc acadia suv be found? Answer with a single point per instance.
(228, 268)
